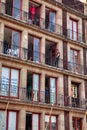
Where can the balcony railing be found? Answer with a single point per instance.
(38, 57)
(76, 68)
(42, 96)
(25, 94)
(41, 23)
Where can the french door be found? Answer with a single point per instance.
(52, 90)
(52, 21)
(74, 60)
(36, 49)
(35, 87)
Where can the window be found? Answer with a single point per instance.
(13, 8)
(33, 86)
(73, 29)
(50, 20)
(32, 121)
(50, 90)
(34, 48)
(74, 60)
(10, 81)
(77, 123)
(50, 50)
(34, 13)
(10, 120)
(12, 41)
(75, 87)
(50, 122)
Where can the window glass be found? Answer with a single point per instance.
(17, 8)
(35, 86)
(53, 120)
(52, 21)
(3, 117)
(47, 127)
(12, 121)
(14, 82)
(15, 43)
(35, 122)
(52, 90)
(36, 49)
(5, 81)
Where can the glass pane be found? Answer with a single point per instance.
(12, 121)
(16, 8)
(14, 82)
(36, 49)
(53, 121)
(71, 34)
(35, 86)
(5, 81)
(47, 127)
(53, 90)
(71, 59)
(52, 21)
(35, 122)
(16, 44)
(3, 117)
(75, 30)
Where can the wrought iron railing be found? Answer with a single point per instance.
(38, 57)
(76, 68)
(52, 98)
(42, 23)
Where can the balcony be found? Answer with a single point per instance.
(43, 97)
(41, 23)
(76, 68)
(38, 57)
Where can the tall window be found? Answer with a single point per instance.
(75, 94)
(50, 90)
(10, 80)
(13, 8)
(12, 41)
(34, 13)
(77, 123)
(74, 60)
(32, 121)
(50, 20)
(33, 86)
(10, 120)
(34, 48)
(73, 29)
(50, 122)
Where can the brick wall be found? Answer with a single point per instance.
(75, 4)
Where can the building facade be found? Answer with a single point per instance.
(38, 89)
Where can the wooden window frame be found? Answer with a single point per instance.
(7, 118)
(76, 120)
(72, 30)
(10, 69)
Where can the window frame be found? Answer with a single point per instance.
(9, 86)
(76, 120)
(72, 29)
(7, 118)
(50, 121)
